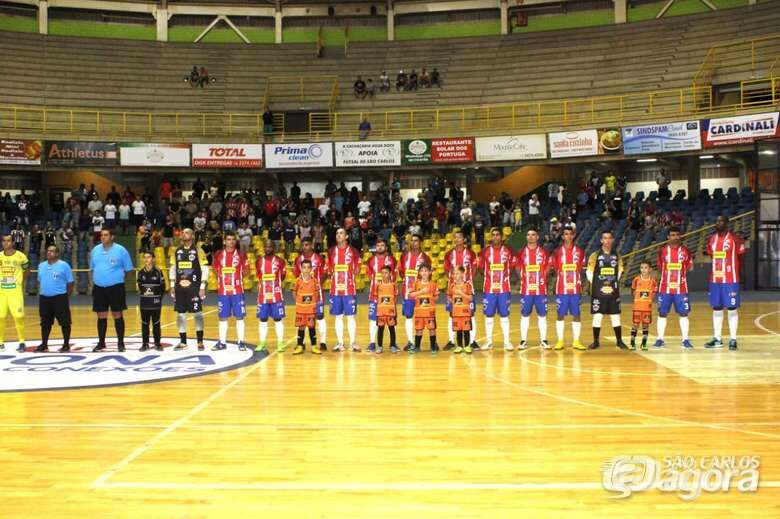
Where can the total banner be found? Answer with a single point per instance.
(19, 152)
(368, 153)
(147, 154)
(452, 150)
(303, 155)
(661, 138)
(76, 153)
(511, 147)
(227, 156)
(582, 143)
(742, 129)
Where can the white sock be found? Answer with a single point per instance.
(409, 325)
(733, 322)
(372, 329)
(240, 328)
(323, 329)
(685, 326)
(597, 320)
(489, 330)
(525, 323)
(450, 331)
(541, 321)
(340, 329)
(263, 331)
(473, 328)
(352, 329)
(717, 324)
(279, 328)
(505, 328)
(661, 328)
(559, 327)
(615, 318)
(576, 327)
(223, 328)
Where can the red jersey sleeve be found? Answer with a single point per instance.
(215, 261)
(282, 269)
(739, 243)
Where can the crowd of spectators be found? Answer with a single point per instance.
(199, 77)
(366, 88)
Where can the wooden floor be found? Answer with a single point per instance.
(359, 435)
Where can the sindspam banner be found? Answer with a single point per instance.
(368, 153)
(160, 155)
(742, 129)
(227, 156)
(20, 152)
(661, 138)
(511, 147)
(77, 153)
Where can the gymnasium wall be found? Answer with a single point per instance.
(518, 183)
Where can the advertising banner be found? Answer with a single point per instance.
(452, 150)
(227, 155)
(582, 143)
(368, 153)
(23, 153)
(511, 147)
(303, 155)
(661, 138)
(417, 151)
(742, 129)
(76, 153)
(147, 154)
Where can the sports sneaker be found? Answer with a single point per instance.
(101, 347)
(145, 347)
(157, 347)
(486, 347)
(338, 347)
(41, 349)
(178, 347)
(280, 347)
(449, 346)
(218, 346)
(733, 344)
(355, 347)
(577, 345)
(686, 344)
(66, 349)
(316, 350)
(632, 346)
(323, 347)
(379, 350)
(22, 348)
(659, 344)
(468, 349)
(622, 345)
(523, 345)
(508, 347)
(408, 346)
(261, 346)
(545, 345)
(475, 345)
(457, 349)
(713, 343)
(2, 347)
(643, 347)
(242, 346)
(434, 348)
(201, 347)
(371, 348)
(414, 349)
(394, 349)
(559, 345)
(298, 349)
(594, 345)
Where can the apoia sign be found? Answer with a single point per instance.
(80, 368)
(227, 155)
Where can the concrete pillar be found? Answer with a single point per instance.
(161, 15)
(621, 11)
(43, 17)
(278, 25)
(390, 21)
(691, 166)
(504, 6)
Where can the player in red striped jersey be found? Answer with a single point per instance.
(460, 256)
(344, 264)
(569, 262)
(674, 262)
(230, 265)
(411, 261)
(271, 271)
(381, 258)
(319, 270)
(496, 262)
(533, 264)
(725, 248)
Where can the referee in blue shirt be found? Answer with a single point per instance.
(56, 281)
(109, 262)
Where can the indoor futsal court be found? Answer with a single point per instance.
(493, 434)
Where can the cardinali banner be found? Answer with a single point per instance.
(742, 129)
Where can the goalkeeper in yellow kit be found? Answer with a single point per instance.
(13, 269)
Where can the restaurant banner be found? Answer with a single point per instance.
(227, 156)
(303, 155)
(451, 150)
(147, 154)
(661, 138)
(368, 153)
(20, 152)
(742, 129)
(512, 147)
(77, 153)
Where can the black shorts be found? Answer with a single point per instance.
(54, 307)
(105, 298)
(605, 305)
(187, 301)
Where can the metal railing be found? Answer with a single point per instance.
(757, 50)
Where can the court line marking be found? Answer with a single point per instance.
(189, 317)
(757, 322)
(613, 409)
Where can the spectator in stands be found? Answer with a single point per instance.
(110, 214)
(663, 185)
(412, 80)
(425, 78)
(124, 217)
(65, 239)
(384, 82)
(97, 226)
(534, 212)
(364, 129)
(610, 184)
(244, 237)
(359, 88)
(139, 211)
(435, 78)
(197, 189)
(635, 219)
(401, 80)
(553, 189)
(370, 88)
(194, 76)
(204, 77)
(268, 127)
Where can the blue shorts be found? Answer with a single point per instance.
(568, 304)
(319, 311)
(724, 295)
(407, 308)
(372, 310)
(231, 305)
(273, 310)
(682, 304)
(528, 303)
(343, 305)
(492, 303)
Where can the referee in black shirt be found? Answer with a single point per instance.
(151, 287)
